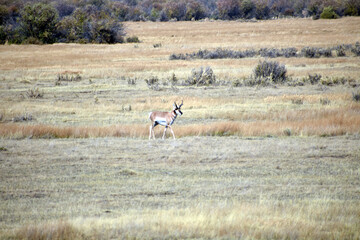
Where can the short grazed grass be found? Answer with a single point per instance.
(193, 187)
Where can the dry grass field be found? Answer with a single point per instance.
(262, 162)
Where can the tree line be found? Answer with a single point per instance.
(100, 21)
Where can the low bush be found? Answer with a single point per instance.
(308, 52)
(289, 52)
(324, 101)
(179, 56)
(34, 93)
(251, 81)
(73, 77)
(173, 80)
(356, 49)
(157, 45)
(273, 71)
(330, 81)
(24, 118)
(132, 81)
(218, 53)
(153, 83)
(133, 39)
(313, 79)
(356, 96)
(202, 77)
(340, 51)
(67, 78)
(297, 101)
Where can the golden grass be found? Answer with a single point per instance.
(46, 131)
(56, 230)
(239, 35)
(113, 61)
(318, 219)
(320, 122)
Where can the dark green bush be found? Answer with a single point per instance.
(4, 14)
(39, 22)
(2, 35)
(106, 31)
(328, 13)
(133, 39)
(88, 25)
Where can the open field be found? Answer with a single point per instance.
(262, 162)
(141, 60)
(189, 188)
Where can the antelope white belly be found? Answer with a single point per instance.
(161, 121)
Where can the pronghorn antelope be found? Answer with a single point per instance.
(164, 118)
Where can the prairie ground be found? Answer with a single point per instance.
(262, 162)
(193, 187)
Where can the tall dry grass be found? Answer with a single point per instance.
(46, 131)
(319, 122)
(60, 230)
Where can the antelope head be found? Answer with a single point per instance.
(177, 108)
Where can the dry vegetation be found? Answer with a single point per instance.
(194, 187)
(75, 161)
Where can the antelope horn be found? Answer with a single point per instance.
(181, 103)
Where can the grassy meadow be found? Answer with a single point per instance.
(263, 162)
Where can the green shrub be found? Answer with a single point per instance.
(2, 35)
(32, 40)
(39, 22)
(88, 25)
(328, 13)
(4, 14)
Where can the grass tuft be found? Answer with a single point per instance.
(58, 230)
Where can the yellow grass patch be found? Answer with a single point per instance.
(322, 219)
(322, 122)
